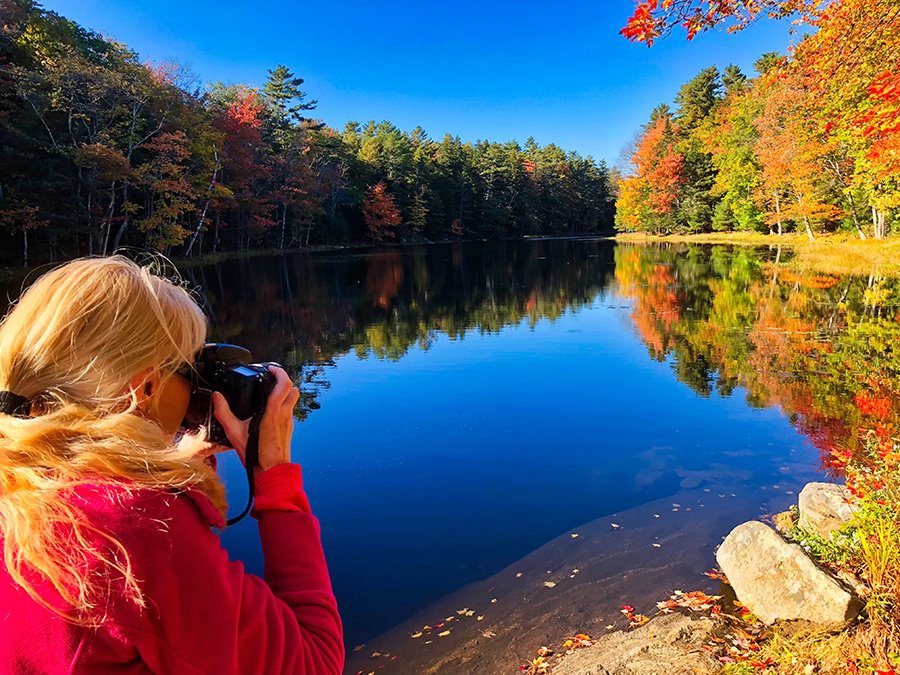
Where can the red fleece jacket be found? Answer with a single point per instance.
(203, 613)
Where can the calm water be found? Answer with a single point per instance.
(463, 404)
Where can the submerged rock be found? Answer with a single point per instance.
(778, 581)
(824, 508)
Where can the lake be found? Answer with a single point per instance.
(467, 408)
(465, 403)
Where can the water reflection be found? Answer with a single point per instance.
(307, 310)
(822, 348)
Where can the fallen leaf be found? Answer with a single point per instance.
(416, 635)
(615, 526)
(574, 535)
(444, 633)
(493, 601)
(655, 545)
(462, 611)
(518, 575)
(375, 655)
(549, 584)
(471, 612)
(480, 617)
(637, 620)
(488, 634)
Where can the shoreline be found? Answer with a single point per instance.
(827, 254)
(575, 583)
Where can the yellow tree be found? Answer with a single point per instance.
(791, 152)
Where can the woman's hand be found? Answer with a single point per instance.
(275, 428)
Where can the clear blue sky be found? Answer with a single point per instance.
(488, 69)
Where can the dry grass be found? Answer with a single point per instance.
(868, 647)
(832, 254)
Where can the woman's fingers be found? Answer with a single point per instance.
(283, 385)
(291, 400)
(235, 429)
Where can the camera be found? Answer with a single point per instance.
(226, 369)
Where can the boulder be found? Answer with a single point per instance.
(824, 507)
(778, 581)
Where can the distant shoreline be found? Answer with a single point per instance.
(828, 254)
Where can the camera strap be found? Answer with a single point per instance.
(251, 461)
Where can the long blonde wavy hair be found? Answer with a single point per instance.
(71, 344)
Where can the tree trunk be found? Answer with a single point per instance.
(859, 231)
(778, 213)
(197, 229)
(125, 218)
(283, 225)
(806, 224)
(107, 221)
(24, 247)
(809, 232)
(879, 222)
(212, 185)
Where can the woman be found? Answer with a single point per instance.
(109, 564)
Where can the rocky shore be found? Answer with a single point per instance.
(579, 582)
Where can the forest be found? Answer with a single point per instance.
(101, 150)
(809, 143)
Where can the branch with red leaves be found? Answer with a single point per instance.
(653, 19)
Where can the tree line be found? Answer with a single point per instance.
(811, 143)
(99, 150)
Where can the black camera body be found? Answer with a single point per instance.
(226, 369)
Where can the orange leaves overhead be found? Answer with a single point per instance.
(653, 19)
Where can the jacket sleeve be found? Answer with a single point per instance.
(204, 614)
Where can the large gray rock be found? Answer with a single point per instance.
(824, 507)
(777, 580)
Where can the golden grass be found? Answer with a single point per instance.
(828, 254)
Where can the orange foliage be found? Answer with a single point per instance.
(381, 213)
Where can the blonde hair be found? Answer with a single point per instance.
(70, 345)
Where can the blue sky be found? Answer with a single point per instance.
(496, 70)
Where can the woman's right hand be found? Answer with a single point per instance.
(275, 428)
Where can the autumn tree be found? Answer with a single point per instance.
(650, 193)
(381, 213)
